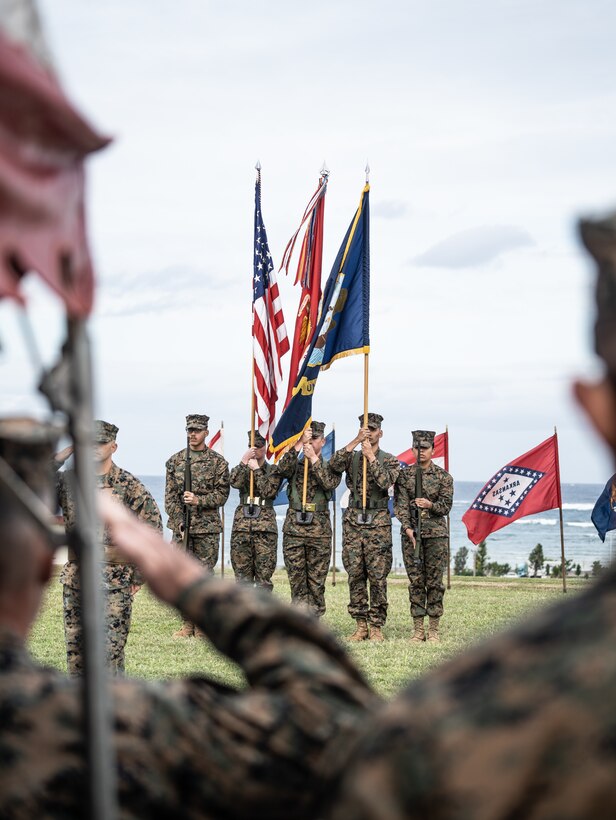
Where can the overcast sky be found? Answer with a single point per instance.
(489, 127)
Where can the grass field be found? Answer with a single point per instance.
(473, 608)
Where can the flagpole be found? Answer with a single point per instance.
(334, 515)
(560, 511)
(448, 516)
(252, 382)
(366, 355)
(222, 534)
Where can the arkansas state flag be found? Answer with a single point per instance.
(440, 456)
(529, 484)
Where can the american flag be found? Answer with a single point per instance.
(269, 334)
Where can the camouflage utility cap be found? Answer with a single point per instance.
(318, 429)
(423, 438)
(259, 440)
(104, 431)
(198, 421)
(374, 420)
(28, 447)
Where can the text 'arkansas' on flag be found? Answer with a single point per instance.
(343, 326)
(269, 334)
(604, 512)
(440, 455)
(528, 484)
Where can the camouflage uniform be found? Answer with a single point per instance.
(307, 547)
(210, 482)
(193, 747)
(254, 541)
(118, 576)
(522, 726)
(367, 548)
(425, 572)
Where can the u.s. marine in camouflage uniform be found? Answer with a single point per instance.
(209, 478)
(188, 747)
(366, 542)
(119, 578)
(307, 534)
(254, 537)
(425, 570)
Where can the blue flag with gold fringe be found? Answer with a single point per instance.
(604, 512)
(343, 326)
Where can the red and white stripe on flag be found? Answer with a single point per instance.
(217, 442)
(270, 343)
(440, 455)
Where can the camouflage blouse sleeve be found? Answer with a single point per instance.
(287, 464)
(386, 474)
(143, 504)
(444, 502)
(402, 499)
(173, 494)
(286, 737)
(239, 476)
(267, 482)
(220, 488)
(325, 476)
(340, 461)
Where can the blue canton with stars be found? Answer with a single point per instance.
(510, 497)
(263, 264)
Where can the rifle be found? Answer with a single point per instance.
(187, 488)
(418, 494)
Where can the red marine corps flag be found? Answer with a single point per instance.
(528, 484)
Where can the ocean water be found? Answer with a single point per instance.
(511, 545)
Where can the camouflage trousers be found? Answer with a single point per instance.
(118, 612)
(426, 588)
(253, 557)
(203, 547)
(307, 562)
(367, 558)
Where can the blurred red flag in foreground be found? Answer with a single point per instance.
(43, 142)
(528, 484)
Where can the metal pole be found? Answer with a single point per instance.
(448, 516)
(101, 765)
(334, 517)
(222, 534)
(560, 511)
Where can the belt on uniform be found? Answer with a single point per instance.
(257, 501)
(381, 504)
(310, 507)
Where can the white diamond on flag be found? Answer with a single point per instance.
(506, 490)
